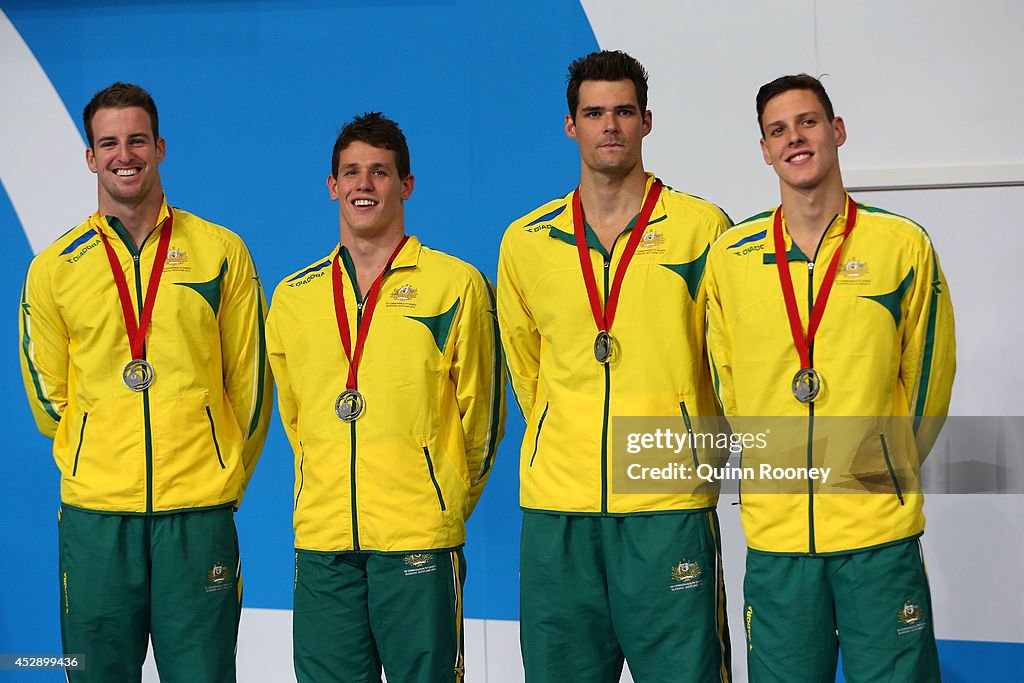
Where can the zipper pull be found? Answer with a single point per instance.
(135, 257)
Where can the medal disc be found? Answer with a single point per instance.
(138, 375)
(806, 385)
(604, 345)
(350, 405)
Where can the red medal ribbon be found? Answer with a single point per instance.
(137, 331)
(803, 343)
(604, 318)
(369, 304)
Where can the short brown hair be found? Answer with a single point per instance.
(376, 130)
(120, 96)
(784, 84)
(608, 65)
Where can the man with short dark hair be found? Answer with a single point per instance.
(158, 407)
(391, 391)
(601, 307)
(835, 318)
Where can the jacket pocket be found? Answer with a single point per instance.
(213, 433)
(302, 476)
(433, 479)
(689, 433)
(81, 438)
(540, 426)
(888, 466)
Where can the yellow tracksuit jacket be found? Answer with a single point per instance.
(407, 473)
(567, 398)
(885, 349)
(193, 438)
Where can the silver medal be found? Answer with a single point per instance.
(806, 385)
(350, 405)
(138, 375)
(604, 345)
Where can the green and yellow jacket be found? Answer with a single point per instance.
(568, 399)
(192, 439)
(405, 475)
(885, 351)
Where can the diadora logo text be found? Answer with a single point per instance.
(538, 228)
(306, 280)
(749, 250)
(751, 240)
(83, 251)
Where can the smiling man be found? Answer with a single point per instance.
(601, 306)
(834, 314)
(391, 390)
(158, 407)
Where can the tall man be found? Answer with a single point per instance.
(601, 306)
(391, 391)
(824, 307)
(143, 358)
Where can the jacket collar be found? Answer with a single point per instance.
(111, 226)
(561, 227)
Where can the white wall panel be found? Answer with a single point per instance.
(924, 84)
(706, 62)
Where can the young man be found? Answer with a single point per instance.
(823, 308)
(391, 391)
(158, 407)
(601, 307)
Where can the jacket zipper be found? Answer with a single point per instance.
(540, 426)
(213, 432)
(147, 427)
(352, 464)
(607, 399)
(892, 473)
(810, 412)
(81, 438)
(433, 479)
(689, 432)
(810, 405)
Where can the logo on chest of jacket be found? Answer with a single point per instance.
(177, 259)
(854, 272)
(218, 578)
(652, 243)
(910, 619)
(420, 563)
(686, 575)
(402, 297)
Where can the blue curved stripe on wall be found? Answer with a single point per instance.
(251, 98)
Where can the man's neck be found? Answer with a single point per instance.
(611, 201)
(370, 255)
(138, 219)
(809, 213)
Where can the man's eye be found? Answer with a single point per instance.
(625, 112)
(380, 172)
